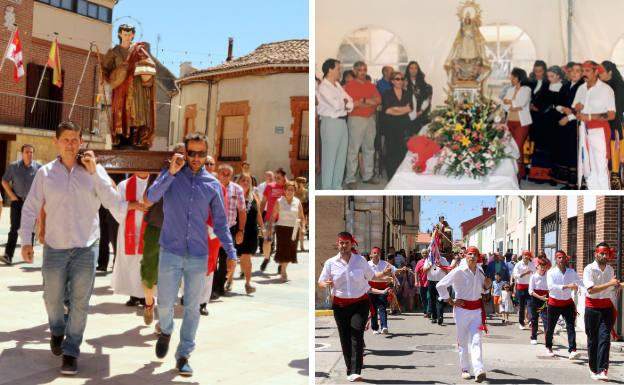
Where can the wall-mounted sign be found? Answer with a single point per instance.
(279, 130)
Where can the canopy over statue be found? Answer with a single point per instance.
(467, 65)
(130, 71)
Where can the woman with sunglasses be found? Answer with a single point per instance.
(396, 105)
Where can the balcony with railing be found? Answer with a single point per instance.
(15, 110)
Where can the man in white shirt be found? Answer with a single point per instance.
(379, 301)
(562, 282)
(333, 106)
(600, 282)
(70, 189)
(522, 274)
(435, 272)
(594, 104)
(469, 283)
(347, 275)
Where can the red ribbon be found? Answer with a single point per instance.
(522, 286)
(541, 292)
(474, 305)
(130, 231)
(560, 302)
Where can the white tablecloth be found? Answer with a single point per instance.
(503, 177)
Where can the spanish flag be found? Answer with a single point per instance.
(54, 62)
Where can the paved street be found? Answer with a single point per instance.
(417, 352)
(258, 339)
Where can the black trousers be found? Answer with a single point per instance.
(351, 321)
(534, 305)
(108, 234)
(16, 219)
(598, 323)
(220, 274)
(523, 298)
(569, 315)
(435, 307)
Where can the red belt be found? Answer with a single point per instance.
(522, 286)
(540, 292)
(348, 301)
(379, 285)
(598, 303)
(474, 305)
(560, 302)
(604, 125)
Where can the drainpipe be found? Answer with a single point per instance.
(383, 225)
(210, 83)
(557, 225)
(619, 262)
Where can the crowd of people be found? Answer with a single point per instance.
(561, 124)
(478, 287)
(192, 223)
(377, 119)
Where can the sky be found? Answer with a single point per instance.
(456, 209)
(198, 30)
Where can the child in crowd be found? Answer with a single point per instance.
(497, 289)
(507, 302)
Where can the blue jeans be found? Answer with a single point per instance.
(68, 273)
(171, 269)
(380, 302)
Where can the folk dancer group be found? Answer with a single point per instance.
(549, 293)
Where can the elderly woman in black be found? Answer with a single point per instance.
(396, 104)
(421, 96)
(539, 132)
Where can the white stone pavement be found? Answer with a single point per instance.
(258, 339)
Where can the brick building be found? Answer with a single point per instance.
(77, 24)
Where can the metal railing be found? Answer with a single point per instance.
(15, 111)
(231, 149)
(303, 152)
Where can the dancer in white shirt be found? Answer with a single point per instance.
(379, 300)
(538, 289)
(469, 283)
(522, 274)
(563, 284)
(347, 275)
(601, 284)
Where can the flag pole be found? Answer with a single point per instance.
(41, 80)
(6, 50)
(84, 68)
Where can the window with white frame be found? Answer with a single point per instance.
(376, 47)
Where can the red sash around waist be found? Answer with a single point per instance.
(541, 292)
(348, 301)
(604, 125)
(379, 285)
(598, 303)
(522, 286)
(560, 302)
(474, 305)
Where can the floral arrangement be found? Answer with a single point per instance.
(471, 135)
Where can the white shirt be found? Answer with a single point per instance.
(537, 282)
(350, 280)
(71, 200)
(593, 276)
(522, 268)
(435, 273)
(522, 100)
(466, 284)
(331, 100)
(381, 266)
(597, 100)
(556, 280)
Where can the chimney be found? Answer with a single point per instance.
(186, 68)
(230, 49)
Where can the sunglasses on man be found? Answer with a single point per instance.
(198, 154)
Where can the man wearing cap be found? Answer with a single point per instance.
(522, 274)
(594, 104)
(347, 275)
(561, 282)
(600, 282)
(379, 301)
(538, 290)
(469, 284)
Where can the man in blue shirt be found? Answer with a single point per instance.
(189, 193)
(384, 84)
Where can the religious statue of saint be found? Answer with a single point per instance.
(467, 64)
(130, 71)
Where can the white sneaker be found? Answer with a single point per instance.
(354, 378)
(549, 353)
(376, 332)
(593, 375)
(602, 375)
(384, 331)
(521, 327)
(466, 375)
(533, 342)
(574, 355)
(479, 376)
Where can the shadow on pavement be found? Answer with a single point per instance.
(145, 374)
(115, 308)
(30, 269)
(270, 281)
(302, 365)
(103, 290)
(399, 382)
(410, 335)
(390, 353)
(35, 335)
(131, 337)
(406, 367)
(38, 366)
(31, 288)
